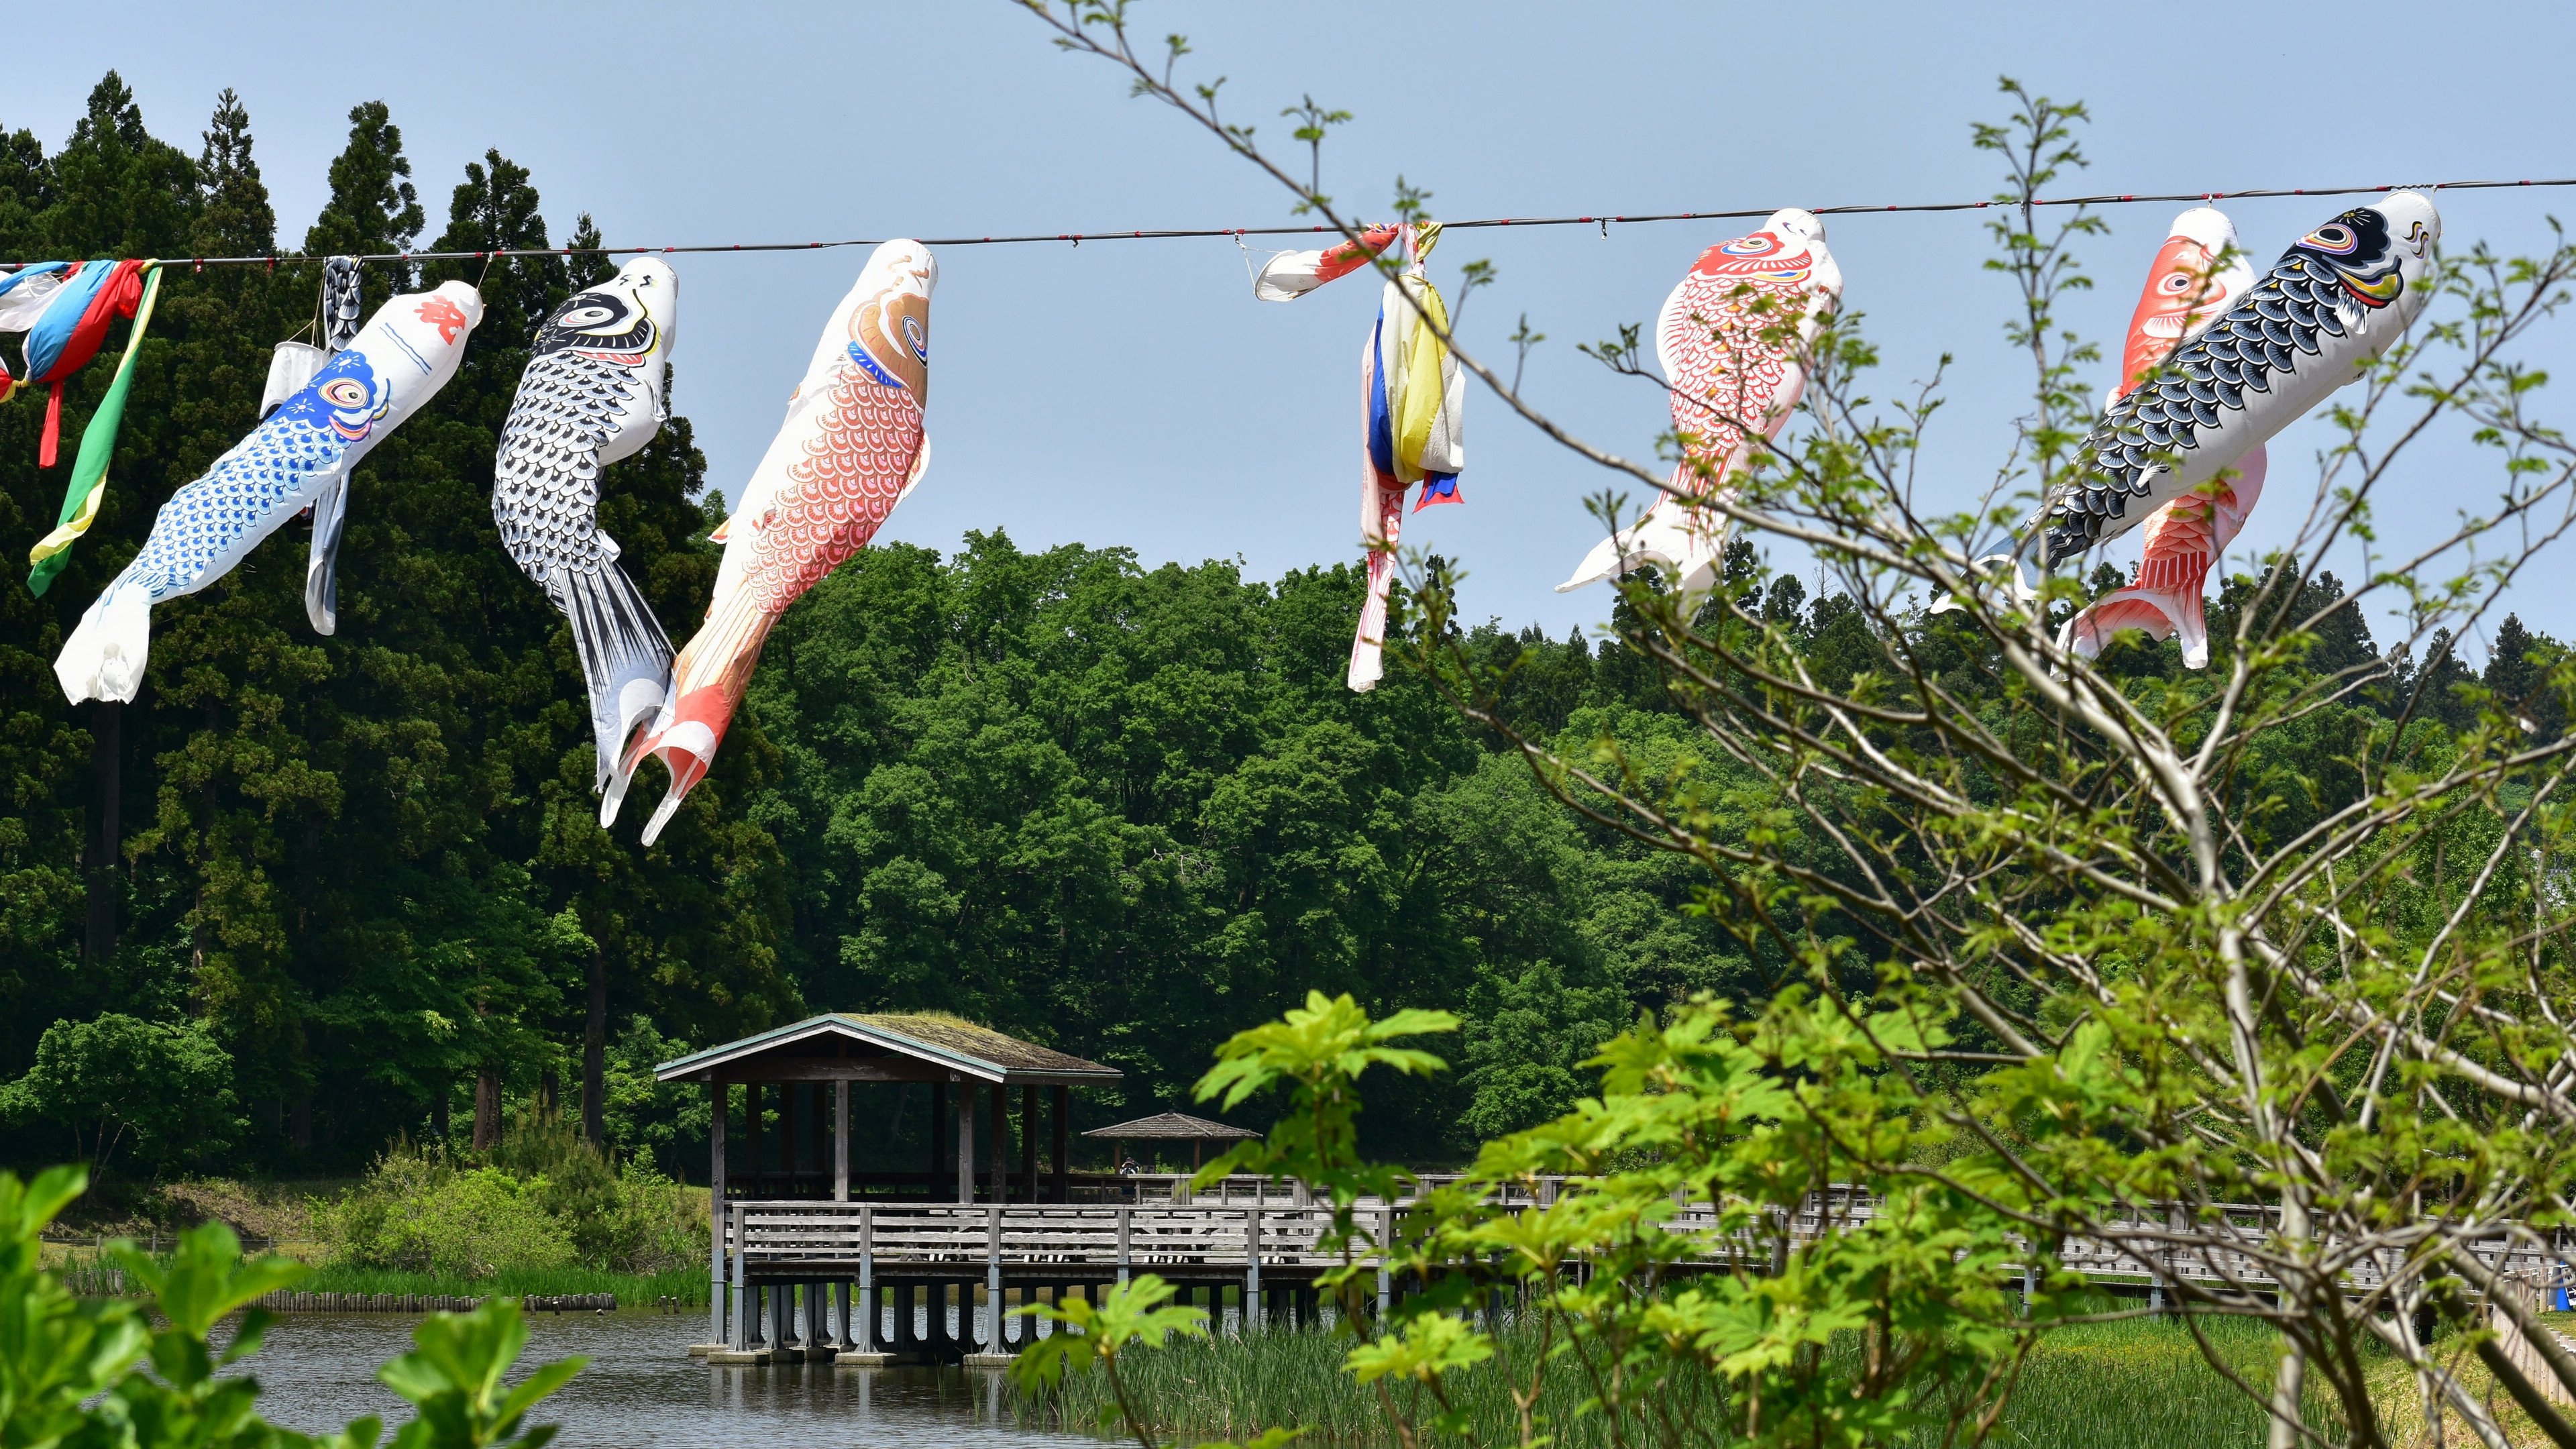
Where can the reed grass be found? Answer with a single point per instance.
(2139, 1384)
(2143, 1384)
(1237, 1387)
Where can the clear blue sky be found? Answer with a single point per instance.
(1134, 394)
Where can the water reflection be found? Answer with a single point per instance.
(319, 1371)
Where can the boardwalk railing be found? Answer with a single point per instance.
(783, 1239)
(1208, 1240)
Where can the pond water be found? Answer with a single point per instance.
(318, 1371)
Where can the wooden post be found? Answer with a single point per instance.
(1001, 1153)
(1123, 1214)
(840, 1142)
(868, 1279)
(740, 1335)
(751, 1138)
(938, 1123)
(1029, 1143)
(1062, 1146)
(993, 1267)
(1251, 1265)
(1385, 1246)
(965, 1142)
(786, 1139)
(822, 1125)
(716, 1220)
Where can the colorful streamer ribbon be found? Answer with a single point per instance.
(88, 486)
(76, 303)
(1424, 391)
(1412, 404)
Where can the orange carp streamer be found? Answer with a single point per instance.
(2198, 274)
(851, 448)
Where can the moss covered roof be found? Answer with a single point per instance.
(945, 1044)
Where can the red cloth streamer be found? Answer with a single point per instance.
(73, 347)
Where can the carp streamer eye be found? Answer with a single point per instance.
(912, 335)
(2177, 283)
(346, 393)
(588, 317)
(2334, 237)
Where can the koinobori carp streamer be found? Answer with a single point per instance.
(299, 457)
(595, 391)
(851, 449)
(1734, 339)
(2198, 276)
(2337, 299)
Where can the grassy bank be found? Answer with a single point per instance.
(633, 1290)
(544, 1213)
(85, 1273)
(2137, 1384)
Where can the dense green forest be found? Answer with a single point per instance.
(339, 879)
(333, 884)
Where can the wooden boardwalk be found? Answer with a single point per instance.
(1260, 1243)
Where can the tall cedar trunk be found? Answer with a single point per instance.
(303, 1122)
(205, 857)
(106, 767)
(487, 1109)
(594, 1056)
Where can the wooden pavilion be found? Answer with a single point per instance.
(1173, 1127)
(811, 1067)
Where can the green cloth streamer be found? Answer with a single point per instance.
(88, 487)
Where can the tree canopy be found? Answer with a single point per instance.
(1125, 811)
(1121, 810)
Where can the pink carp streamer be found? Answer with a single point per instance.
(1733, 339)
(2198, 275)
(851, 449)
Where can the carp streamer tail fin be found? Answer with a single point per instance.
(625, 661)
(707, 684)
(104, 657)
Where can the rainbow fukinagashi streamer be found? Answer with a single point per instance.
(88, 486)
(65, 309)
(1412, 405)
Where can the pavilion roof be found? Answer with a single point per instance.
(1171, 1126)
(886, 1047)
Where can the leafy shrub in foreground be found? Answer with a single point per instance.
(72, 1370)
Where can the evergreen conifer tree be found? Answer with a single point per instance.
(374, 207)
